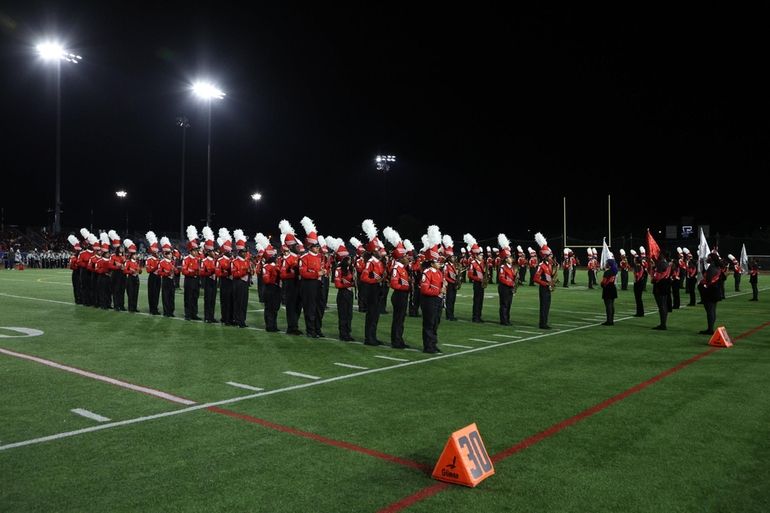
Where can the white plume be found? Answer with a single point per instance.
(262, 241)
(84, 233)
(220, 241)
(92, 238)
(540, 239)
(164, 241)
(408, 245)
(369, 229)
(322, 241)
(208, 233)
(239, 235)
(469, 239)
(588, 250)
(224, 234)
(192, 233)
(503, 241)
(489, 250)
(447, 241)
(113, 235)
(622, 252)
(518, 248)
(642, 250)
(128, 243)
(685, 251)
(530, 250)
(434, 235)
(308, 225)
(355, 242)
(424, 240)
(151, 237)
(73, 240)
(391, 236)
(633, 252)
(285, 228)
(104, 238)
(678, 250)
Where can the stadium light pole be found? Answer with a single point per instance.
(121, 194)
(184, 124)
(256, 196)
(207, 91)
(51, 51)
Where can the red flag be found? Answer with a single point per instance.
(654, 249)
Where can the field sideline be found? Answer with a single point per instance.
(125, 412)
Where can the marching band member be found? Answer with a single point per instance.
(533, 265)
(709, 291)
(208, 276)
(691, 267)
(86, 295)
(373, 275)
(624, 267)
(270, 281)
(753, 279)
(737, 271)
(476, 274)
(191, 270)
(400, 283)
(415, 271)
(240, 275)
(640, 282)
(344, 281)
(506, 280)
(102, 268)
(93, 274)
(609, 290)
(224, 274)
(566, 265)
(359, 263)
(544, 279)
(575, 262)
(75, 267)
(431, 288)
(676, 279)
(592, 265)
(117, 278)
(289, 274)
(153, 279)
(661, 288)
(132, 270)
(521, 261)
(311, 272)
(451, 277)
(166, 271)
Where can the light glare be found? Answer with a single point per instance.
(207, 91)
(256, 196)
(55, 51)
(121, 194)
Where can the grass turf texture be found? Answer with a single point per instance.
(695, 441)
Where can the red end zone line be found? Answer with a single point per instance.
(432, 490)
(99, 377)
(318, 438)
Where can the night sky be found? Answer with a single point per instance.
(494, 117)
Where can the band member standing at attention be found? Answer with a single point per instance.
(640, 281)
(132, 270)
(575, 264)
(208, 276)
(271, 292)
(431, 289)
(709, 291)
(522, 263)
(566, 265)
(374, 273)
(85, 276)
(289, 275)
(661, 288)
(191, 270)
(609, 290)
(153, 279)
(754, 279)
(451, 277)
(592, 266)
(224, 274)
(75, 267)
(691, 270)
(737, 271)
(239, 270)
(477, 275)
(166, 271)
(311, 271)
(532, 266)
(117, 278)
(344, 282)
(103, 270)
(415, 271)
(544, 279)
(94, 275)
(400, 283)
(676, 281)
(624, 267)
(506, 280)
(359, 262)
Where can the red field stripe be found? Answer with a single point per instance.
(322, 439)
(105, 379)
(429, 491)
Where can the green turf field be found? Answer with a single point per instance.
(360, 436)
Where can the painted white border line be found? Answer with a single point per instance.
(493, 341)
(570, 325)
(457, 345)
(506, 336)
(99, 377)
(349, 366)
(89, 415)
(247, 387)
(137, 420)
(391, 358)
(300, 375)
(528, 332)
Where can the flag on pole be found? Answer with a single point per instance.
(744, 260)
(653, 248)
(703, 253)
(605, 252)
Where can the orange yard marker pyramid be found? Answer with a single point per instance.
(464, 459)
(720, 338)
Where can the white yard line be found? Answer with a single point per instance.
(247, 387)
(490, 341)
(506, 336)
(90, 415)
(349, 366)
(527, 332)
(300, 375)
(391, 358)
(99, 377)
(457, 345)
(137, 420)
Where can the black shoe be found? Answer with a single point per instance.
(196, 318)
(705, 332)
(208, 321)
(430, 351)
(320, 335)
(243, 325)
(436, 349)
(271, 330)
(546, 327)
(659, 327)
(606, 323)
(293, 332)
(186, 318)
(401, 346)
(372, 343)
(348, 339)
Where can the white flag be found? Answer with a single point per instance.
(605, 252)
(703, 253)
(744, 260)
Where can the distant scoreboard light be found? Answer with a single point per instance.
(687, 232)
(671, 231)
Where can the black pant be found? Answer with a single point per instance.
(311, 303)
(545, 305)
(291, 287)
(532, 276)
(167, 295)
(240, 301)
(86, 296)
(451, 297)
(690, 284)
(104, 291)
(522, 274)
(96, 303)
(662, 301)
(132, 291)
(478, 300)
(737, 277)
(414, 298)
(431, 309)
(209, 298)
(260, 289)
(711, 313)
(400, 300)
(272, 296)
(623, 279)
(638, 289)
(755, 291)
(382, 301)
(192, 287)
(566, 278)
(676, 285)
(76, 286)
(506, 298)
(345, 312)
(591, 278)
(324, 297)
(609, 309)
(118, 285)
(226, 300)
(363, 295)
(372, 313)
